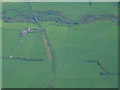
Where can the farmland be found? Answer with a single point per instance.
(75, 45)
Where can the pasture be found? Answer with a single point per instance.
(74, 47)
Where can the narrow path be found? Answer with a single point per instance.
(69, 35)
(12, 51)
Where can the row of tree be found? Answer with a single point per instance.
(55, 16)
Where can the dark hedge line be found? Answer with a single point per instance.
(23, 59)
(56, 16)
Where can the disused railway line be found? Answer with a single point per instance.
(49, 46)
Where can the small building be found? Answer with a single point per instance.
(25, 31)
(10, 56)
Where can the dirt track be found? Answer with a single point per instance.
(48, 53)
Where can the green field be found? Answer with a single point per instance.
(73, 33)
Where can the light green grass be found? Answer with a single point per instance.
(76, 10)
(87, 43)
(26, 74)
(71, 46)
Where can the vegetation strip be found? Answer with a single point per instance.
(23, 59)
(48, 53)
(49, 46)
(105, 72)
(56, 16)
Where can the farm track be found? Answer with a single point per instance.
(51, 57)
(48, 47)
(48, 53)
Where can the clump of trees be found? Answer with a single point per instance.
(44, 16)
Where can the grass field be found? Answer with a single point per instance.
(68, 45)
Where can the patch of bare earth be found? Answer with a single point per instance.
(48, 53)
